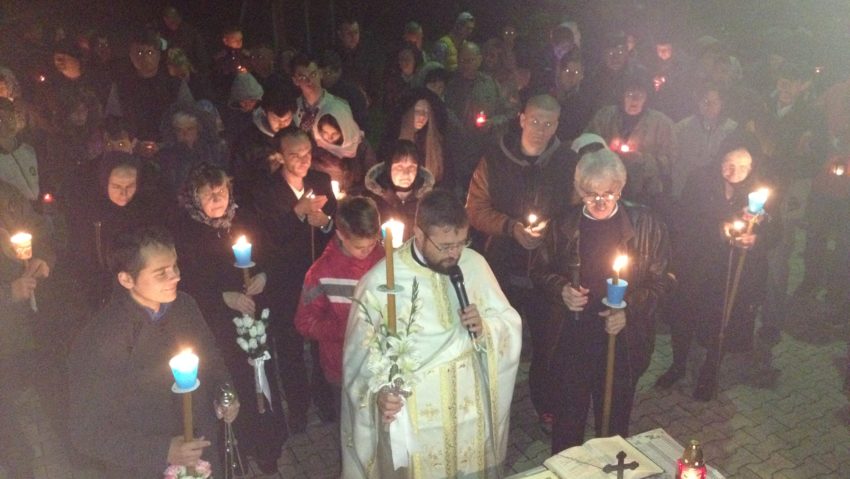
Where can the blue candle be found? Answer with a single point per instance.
(242, 251)
(756, 200)
(184, 367)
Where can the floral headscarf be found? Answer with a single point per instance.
(191, 201)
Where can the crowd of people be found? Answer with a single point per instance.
(530, 166)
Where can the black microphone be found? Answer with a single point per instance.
(456, 277)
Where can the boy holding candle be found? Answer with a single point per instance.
(122, 410)
(329, 285)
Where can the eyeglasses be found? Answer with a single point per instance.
(301, 78)
(448, 248)
(595, 198)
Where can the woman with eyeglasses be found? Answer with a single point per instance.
(398, 183)
(204, 234)
(588, 237)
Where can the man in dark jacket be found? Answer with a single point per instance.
(527, 173)
(294, 205)
(122, 410)
(591, 236)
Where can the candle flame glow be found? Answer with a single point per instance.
(620, 262)
(624, 148)
(242, 241)
(838, 170)
(335, 188)
(738, 225)
(397, 229)
(21, 239)
(532, 219)
(480, 119)
(185, 361)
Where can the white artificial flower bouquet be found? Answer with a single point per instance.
(252, 337)
(393, 359)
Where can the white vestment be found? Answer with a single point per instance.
(459, 392)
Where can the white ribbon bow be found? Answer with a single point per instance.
(402, 442)
(261, 381)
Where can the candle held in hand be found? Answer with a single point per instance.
(242, 252)
(22, 244)
(756, 200)
(184, 367)
(480, 119)
(532, 220)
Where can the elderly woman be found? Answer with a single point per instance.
(204, 234)
(591, 235)
(398, 183)
(714, 197)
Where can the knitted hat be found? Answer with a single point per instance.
(245, 87)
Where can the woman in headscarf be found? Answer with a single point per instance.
(398, 183)
(204, 234)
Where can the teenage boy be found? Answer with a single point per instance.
(122, 410)
(329, 285)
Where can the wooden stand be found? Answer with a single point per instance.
(609, 385)
(188, 430)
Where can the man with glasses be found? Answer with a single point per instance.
(528, 172)
(315, 102)
(592, 235)
(460, 401)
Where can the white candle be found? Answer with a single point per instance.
(335, 188)
(22, 244)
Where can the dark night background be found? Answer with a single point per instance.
(749, 24)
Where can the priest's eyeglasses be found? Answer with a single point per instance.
(448, 248)
(595, 198)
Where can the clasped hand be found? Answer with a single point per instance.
(576, 300)
(311, 209)
(527, 238)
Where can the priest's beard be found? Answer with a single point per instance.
(440, 265)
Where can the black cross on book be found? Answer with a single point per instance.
(620, 467)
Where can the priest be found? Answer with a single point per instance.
(450, 419)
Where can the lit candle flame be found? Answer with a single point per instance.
(838, 170)
(532, 219)
(480, 119)
(620, 263)
(738, 225)
(242, 241)
(624, 148)
(397, 229)
(48, 198)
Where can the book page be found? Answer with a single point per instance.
(588, 460)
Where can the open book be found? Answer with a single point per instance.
(588, 461)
